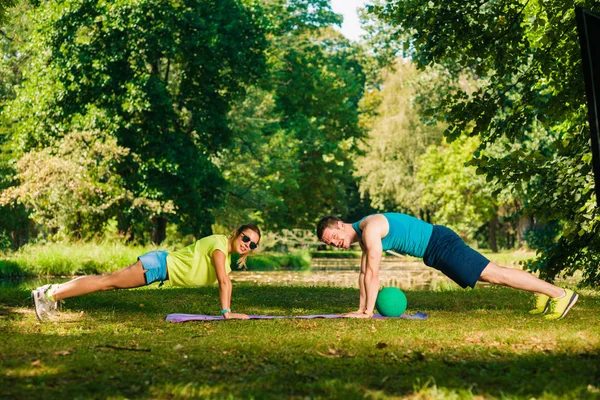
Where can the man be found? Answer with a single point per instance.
(440, 248)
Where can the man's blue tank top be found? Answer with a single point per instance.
(407, 235)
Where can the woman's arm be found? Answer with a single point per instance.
(225, 288)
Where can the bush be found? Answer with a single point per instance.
(5, 242)
(267, 261)
(542, 236)
(11, 269)
(335, 254)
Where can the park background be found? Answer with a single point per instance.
(134, 125)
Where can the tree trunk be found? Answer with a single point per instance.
(77, 227)
(425, 215)
(493, 229)
(125, 228)
(19, 238)
(159, 229)
(525, 223)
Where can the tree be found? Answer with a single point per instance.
(72, 186)
(296, 133)
(4, 6)
(15, 226)
(526, 55)
(456, 195)
(12, 63)
(387, 171)
(160, 78)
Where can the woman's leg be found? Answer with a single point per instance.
(519, 279)
(125, 278)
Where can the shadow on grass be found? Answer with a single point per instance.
(123, 349)
(98, 371)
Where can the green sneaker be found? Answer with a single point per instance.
(541, 304)
(558, 307)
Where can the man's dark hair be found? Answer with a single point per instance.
(327, 221)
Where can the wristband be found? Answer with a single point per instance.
(225, 311)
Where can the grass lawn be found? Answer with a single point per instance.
(476, 344)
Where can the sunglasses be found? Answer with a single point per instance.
(252, 245)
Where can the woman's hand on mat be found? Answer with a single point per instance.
(357, 314)
(231, 315)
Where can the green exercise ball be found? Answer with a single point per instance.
(391, 302)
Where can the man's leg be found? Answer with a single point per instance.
(519, 279)
(560, 302)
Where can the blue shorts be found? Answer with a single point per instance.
(448, 253)
(155, 264)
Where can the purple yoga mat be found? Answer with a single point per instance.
(200, 317)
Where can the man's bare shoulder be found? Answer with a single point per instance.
(375, 223)
(373, 220)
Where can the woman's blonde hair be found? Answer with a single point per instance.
(242, 261)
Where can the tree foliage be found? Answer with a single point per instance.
(296, 132)
(461, 199)
(159, 77)
(527, 58)
(241, 108)
(4, 6)
(15, 226)
(387, 171)
(71, 186)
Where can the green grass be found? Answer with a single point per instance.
(476, 344)
(58, 259)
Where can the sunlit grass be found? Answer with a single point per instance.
(476, 344)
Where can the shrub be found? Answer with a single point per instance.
(268, 261)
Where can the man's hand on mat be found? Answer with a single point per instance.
(357, 314)
(231, 315)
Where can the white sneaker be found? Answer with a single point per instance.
(44, 307)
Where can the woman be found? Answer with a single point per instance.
(203, 263)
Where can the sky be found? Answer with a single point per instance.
(351, 26)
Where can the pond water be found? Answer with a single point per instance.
(401, 273)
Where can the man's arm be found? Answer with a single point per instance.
(361, 282)
(374, 229)
(372, 240)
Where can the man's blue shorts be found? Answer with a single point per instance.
(448, 253)
(155, 264)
